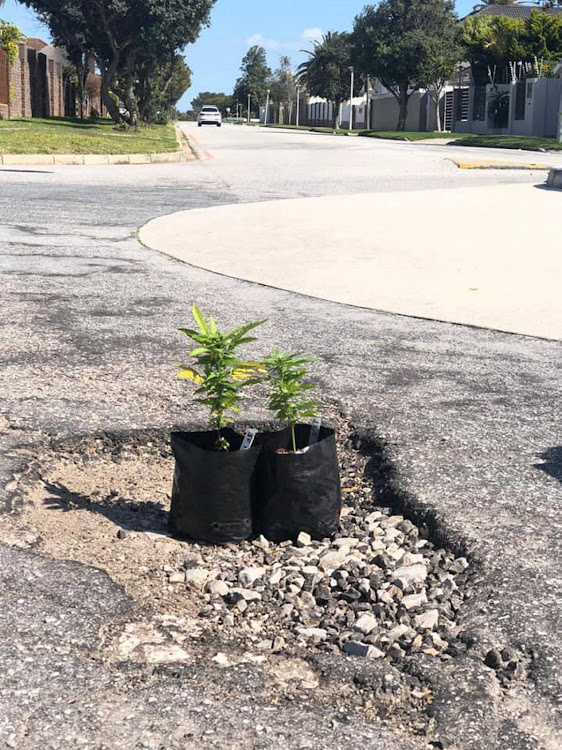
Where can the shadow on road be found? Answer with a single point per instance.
(552, 462)
(128, 514)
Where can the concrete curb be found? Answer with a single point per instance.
(498, 165)
(190, 149)
(89, 160)
(554, 179)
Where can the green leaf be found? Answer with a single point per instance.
(199, 319)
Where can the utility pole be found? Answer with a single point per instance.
(352, 69)
(249, 102)
(266, 107)
(560, 120)
(368, 104)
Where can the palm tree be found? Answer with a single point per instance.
(327, 71)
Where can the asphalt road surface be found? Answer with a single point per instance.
(470, 419)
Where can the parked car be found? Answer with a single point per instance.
(209, 116)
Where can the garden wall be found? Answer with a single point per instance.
(34, 85)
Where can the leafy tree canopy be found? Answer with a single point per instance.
(284, 83)
(216, 99)
(327, 71)
(398, 41)
(495, 41)
(10, 37)
(128, 38)
(255, 78)
(160, 87)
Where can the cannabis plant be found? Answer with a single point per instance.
(288, 397)
(218, 372)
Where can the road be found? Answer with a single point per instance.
(417, 252)
(470, 419)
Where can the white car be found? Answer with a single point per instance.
(209, 116)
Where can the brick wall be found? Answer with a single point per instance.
(20, 104)
(4, 84)
(35, 82)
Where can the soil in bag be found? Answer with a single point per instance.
(212, 491)
(298, 491)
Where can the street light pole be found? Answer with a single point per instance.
(249, 102)
(266, 107)
(352, 69)
(298, 105)
(560, 120)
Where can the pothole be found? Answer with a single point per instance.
(381, 589)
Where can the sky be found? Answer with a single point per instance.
(282, 27)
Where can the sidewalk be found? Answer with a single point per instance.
(481, 256)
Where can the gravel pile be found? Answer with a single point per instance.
(376, 590)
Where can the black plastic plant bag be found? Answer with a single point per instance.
(212, 491)
(298, 491)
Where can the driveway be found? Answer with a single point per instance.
(469, 419)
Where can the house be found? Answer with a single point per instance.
(533, 106)
(531, 101)
(513, 11)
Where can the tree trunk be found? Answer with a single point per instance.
(437, 113)
(402, 105)
(110, 105)
(130, 101)
(336, 115)
(107, 81)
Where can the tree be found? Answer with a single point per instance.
(189, 116)
(491, 43)
(255, 77)
(327, 71)
(542, 36)
(396, 41)
(284, 85)
(10, 37)
(216, 99)
(440, 64)
(126, 37)
(160, 87)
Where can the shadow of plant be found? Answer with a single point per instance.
(128, 514)
(552, 462)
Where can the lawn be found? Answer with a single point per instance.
(65, 135)
(409, 135)
(526, 143)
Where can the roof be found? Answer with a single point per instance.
(514, 11)
(36, 43)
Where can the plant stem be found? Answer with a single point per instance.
(293, 437)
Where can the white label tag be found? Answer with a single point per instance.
(248, 439)
(315, 430)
